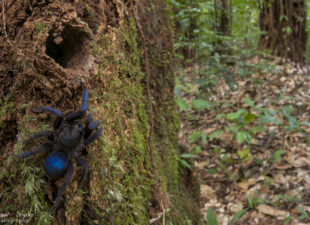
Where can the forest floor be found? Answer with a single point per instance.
(251, 146)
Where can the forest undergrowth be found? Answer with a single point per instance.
(248, 136)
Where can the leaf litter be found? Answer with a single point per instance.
(262, 178)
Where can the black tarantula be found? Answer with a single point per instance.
(66, 141)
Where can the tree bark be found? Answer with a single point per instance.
(122, 51)
(284, 27)
(223, 17)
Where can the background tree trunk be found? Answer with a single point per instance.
(122, 51)
(284, 27)
(223, 16)
(222, 21)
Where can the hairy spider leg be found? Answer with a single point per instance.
(89, 129)
(75, 116)
(54, 111)
(84, 104)
(45, 133)
(82, 163)
(63, 186)
(93, 137)
(81, 113)
(42, 148)
(93, 125)
(88, 119)
(57, 112)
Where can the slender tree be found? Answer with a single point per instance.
(223, 16)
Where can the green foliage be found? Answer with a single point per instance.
(253, 201)
(211, 217)
(198, 36)
(238, 215)
(227, 56)
(187, 156)
(277, 156)
(303, 214)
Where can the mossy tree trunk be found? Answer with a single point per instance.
(284, 27)
(122, 51)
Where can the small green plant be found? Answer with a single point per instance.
(238, 216)
(224, 160)
(303, 214)
(244, 123)
(254, 201)
(190, 155)
(284, 199)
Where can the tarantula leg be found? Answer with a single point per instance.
(82, 163)
(45, 133)
(93, 125)
(57, 123)
(84, 104)
(81, 113)
(88, 119)
(57, 112)
(62, 188)
(75, 116)
(94, 136)
(90, 128)
(42, 148)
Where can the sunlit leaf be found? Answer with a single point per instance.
(195, 136)
(243, 136)
(215, 134)
(249, 118)
(212, 171)
(249, 102)
(196, 150)
(243, 153)
(182, 104)
(278, 155)
(258, 129)
(185, 164)
(236, 115)
(287, 219)
(187, 156)
(201, 104)
(211, 217)
(238, 215)
(303, 213)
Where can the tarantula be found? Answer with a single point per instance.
(66, 141)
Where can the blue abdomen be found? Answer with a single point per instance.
(56, 164)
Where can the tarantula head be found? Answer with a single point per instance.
(71, 135)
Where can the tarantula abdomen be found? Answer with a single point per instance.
(56, 164)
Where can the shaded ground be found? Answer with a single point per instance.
(268, 177)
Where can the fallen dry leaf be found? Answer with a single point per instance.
(268, 210)
(207, 192)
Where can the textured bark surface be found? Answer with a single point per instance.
(284, 27)
(50, 50)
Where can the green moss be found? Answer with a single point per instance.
(122, 162)
(25, 181)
